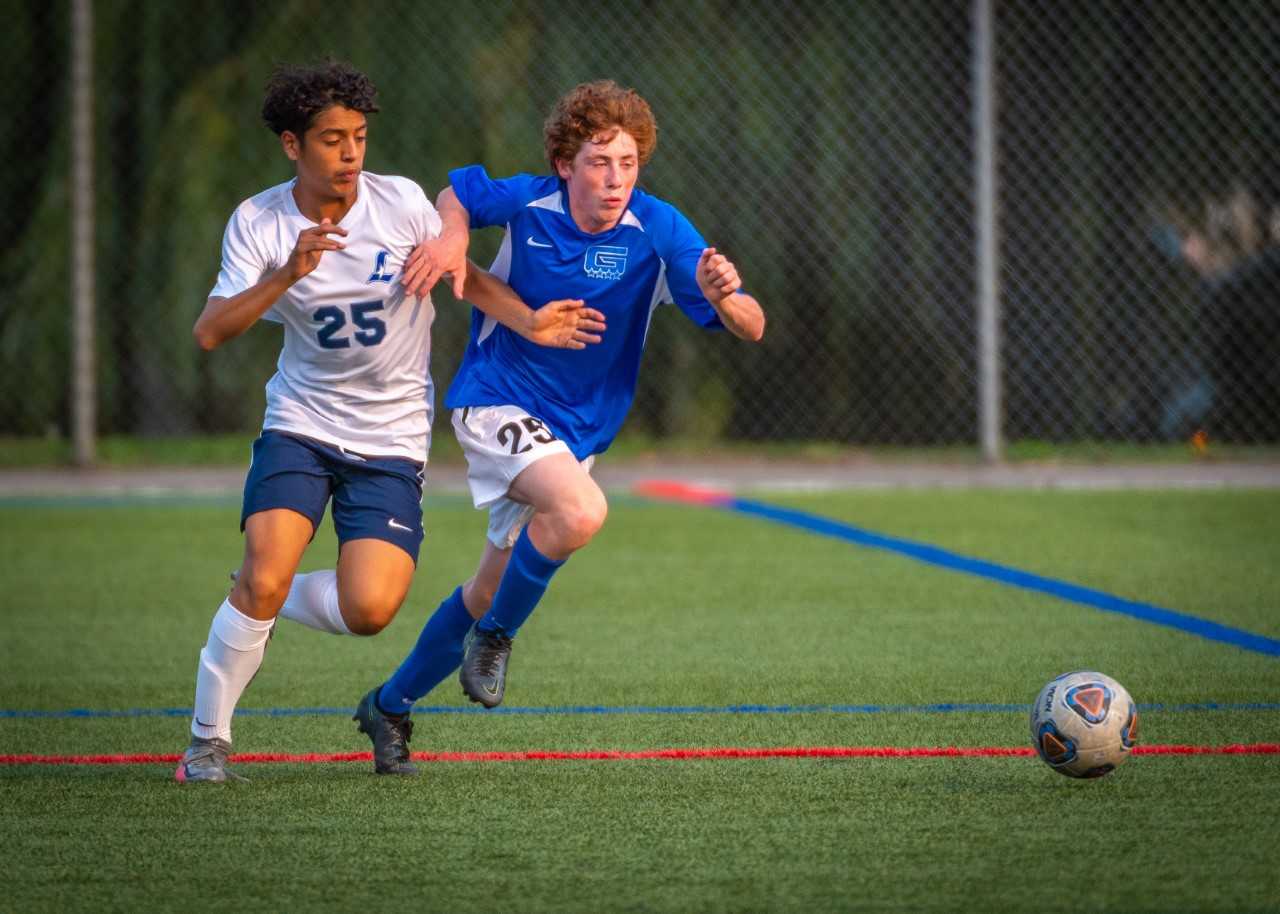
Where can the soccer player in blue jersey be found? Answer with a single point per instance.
(530, 420)
(349, 408)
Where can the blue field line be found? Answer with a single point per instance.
(1003, 574)
(562, 710)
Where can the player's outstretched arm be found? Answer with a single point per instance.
(446, 253)
(226, 318)
(561, 324)
(719, 281)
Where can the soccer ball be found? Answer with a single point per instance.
(1084, 724)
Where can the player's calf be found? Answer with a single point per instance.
(478, 594)
(484, 665)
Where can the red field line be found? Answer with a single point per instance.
(611, 755)
(683, 492)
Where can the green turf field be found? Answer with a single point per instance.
(105, 606)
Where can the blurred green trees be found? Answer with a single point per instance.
(825, 146)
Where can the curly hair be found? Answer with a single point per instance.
(295, 96)
(595, 109)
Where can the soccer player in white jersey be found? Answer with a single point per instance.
(531, 420)
(349, 409)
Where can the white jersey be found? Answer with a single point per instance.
(355, 367)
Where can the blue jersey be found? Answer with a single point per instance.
(648, 258)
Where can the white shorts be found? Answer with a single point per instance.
(499, 443)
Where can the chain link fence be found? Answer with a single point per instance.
(829, 148)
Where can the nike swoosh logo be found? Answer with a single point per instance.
(493, 691)
(537, 244)
(396, 525)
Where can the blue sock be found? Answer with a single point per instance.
(437, 654)
(522, 586)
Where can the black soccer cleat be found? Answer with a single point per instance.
(484, 668)
(389, 734)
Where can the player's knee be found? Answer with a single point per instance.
(368, 615)
(368, 599)
(259, 590)
(595, 513)
(367, 626)
(582, 519)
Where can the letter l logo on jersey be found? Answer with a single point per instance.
(380, 273)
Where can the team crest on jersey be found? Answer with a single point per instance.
(605, 261)
(380, 273)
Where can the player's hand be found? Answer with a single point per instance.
(432, 259)
(565, 324)
(311, 245)
(717, 276)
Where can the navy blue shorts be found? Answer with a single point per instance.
(373, 497)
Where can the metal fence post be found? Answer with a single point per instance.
(83, 386)
(987, 243)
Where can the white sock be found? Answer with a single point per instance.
(313, 601)
(229, 660)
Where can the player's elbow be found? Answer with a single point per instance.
(205, 338)
(209, 330)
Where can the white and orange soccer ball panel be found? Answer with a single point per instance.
(1084, 724)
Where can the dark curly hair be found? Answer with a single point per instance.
(593, 109)
(296, 95)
